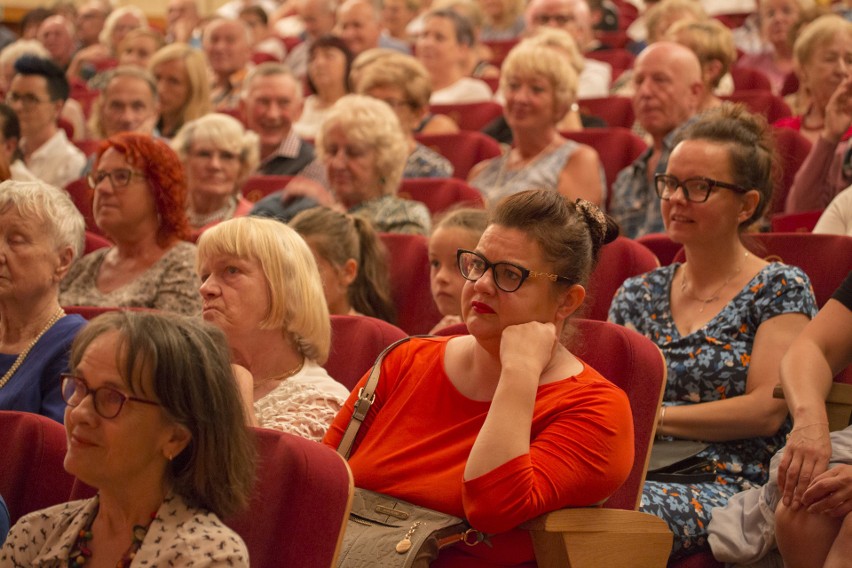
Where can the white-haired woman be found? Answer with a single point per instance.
(217, 154)
(260, 285)
(41, 233)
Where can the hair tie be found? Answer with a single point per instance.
(593, 217)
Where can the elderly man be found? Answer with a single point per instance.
(318, 19)
(667, 82)
(36, 94)
(90, 21)
(573, 16)
(128, 103)
(56, 34)
(227, 44)
(359, 24)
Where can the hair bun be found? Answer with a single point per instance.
(602, 227)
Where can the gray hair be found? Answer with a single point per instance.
(270, 69)
(21, 47)
(51, 207)
(105, 36)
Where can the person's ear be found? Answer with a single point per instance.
(712, 70)
(179, 439)
(348, 272)
(570, 299)
(749, 203)
(66, 257)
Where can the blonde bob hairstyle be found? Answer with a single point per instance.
(296, 300)
(529, 58)
(398, 71)
(710, 40)
(197, 103)
(817, 34)
(371, 123)
(225, 133)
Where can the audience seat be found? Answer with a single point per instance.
(463, 149)
(80, 92)
(302, 496)
(617, 534)
(800, 222)
(416, 313)
(733, 20)
(791, 84)
(749, 79)
(619, 260)
(792, 149)
(612, 39)
(500, 49)
(81, 194)
(94, 242)
(356, 341)
(771, 106)
(662, 246)
(470, 116)
(32, 476)
(88, 146)
(616, 111)
(256, 186)
(619, 58)
(440, 194)
(617, 147)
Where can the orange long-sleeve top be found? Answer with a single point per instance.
(417, 437)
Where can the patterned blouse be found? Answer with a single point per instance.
(424, 162)
(392, 214)
(170, 284)
(713, 362)
(179, 536)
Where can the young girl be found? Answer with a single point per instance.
(351, 260)
(459, 229)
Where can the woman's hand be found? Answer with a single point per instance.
(531, 344)
(831, 492)
(838, 112)
(805, 459)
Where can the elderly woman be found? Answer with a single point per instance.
(504, 19)
(329, 62)
(41, 233)
(260, 285)
(140, 392)
(218, 154)
(183, 87)
(352, 262)
(444, 49)
(713, 43)
(537, 83)
(403, 83)
(776, 19)
(823, 57)
(140, 204)
(523, 427)
(720, 318)
(118, 24)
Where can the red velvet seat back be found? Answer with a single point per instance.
(469, 116)
(619, 260)
(463, 149)
(356, 341)
(409, 279)
(616, 111)
(439, 194)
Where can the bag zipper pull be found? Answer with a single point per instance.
(404, 545)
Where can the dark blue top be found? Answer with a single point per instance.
(5, 521)
(35, 385)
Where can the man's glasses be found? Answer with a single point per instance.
(27, 100)
(107, 400)
(696, 189)
(557, 19)
(507, 276)
(118, 178)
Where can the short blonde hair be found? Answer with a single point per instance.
(297, 302)
(195, 63)
(709, 39)
(105, 37)
(50, 207)
(370, 122)
(816, 34)
(400, 71)
(560, 39)
(531, 58)
(672, 11)
(225, 133)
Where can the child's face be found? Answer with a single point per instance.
(446, 280)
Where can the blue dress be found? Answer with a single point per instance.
(35, 385)
(710, 364)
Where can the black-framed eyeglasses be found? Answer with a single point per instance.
(27, 100)
(695, 189)
(119, 177)
(108, 401)
(507, 276)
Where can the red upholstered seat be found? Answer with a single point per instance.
(470, 116)
(662, 246)
(256, 187)
(463, 149)
(95, 242)
(32, 476)
(801, 222)
(619, 260)
(500, 49)
(616, 111)
(81, 194)
(749, 79)
(619, 58)
(409, 279)
(771, 106)
(356, 341)
(792, 149)
(439, 194)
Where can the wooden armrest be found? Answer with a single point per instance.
(838, 404)
(575, 538)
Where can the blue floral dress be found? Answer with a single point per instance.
(710, 364)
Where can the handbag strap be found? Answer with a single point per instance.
(366, 397)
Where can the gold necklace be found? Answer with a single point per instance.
(715, 295)
(23, 354)
(282, 376)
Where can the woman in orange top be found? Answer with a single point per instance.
(504, 424)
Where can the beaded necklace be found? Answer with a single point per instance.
(81, 552)
(23, 354)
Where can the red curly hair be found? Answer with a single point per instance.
(165, 176)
